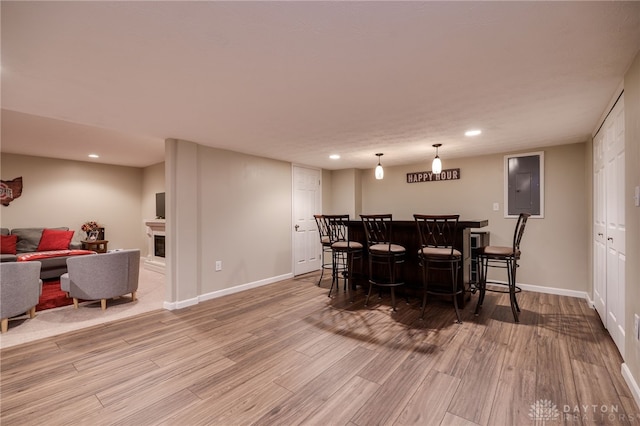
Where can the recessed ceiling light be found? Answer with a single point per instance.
(472, 132)
(94, 156)
(334, 156)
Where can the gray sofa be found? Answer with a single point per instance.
(28, 240)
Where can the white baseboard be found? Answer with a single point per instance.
(631, 382)
(219, 293)
(553, 290)
(180, 304)
(242, 287)
(590, 301)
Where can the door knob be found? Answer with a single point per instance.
(297, 226)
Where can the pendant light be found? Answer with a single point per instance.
(436, 165)
(379, 170)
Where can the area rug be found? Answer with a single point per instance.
(52, 296)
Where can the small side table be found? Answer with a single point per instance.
(99, 246)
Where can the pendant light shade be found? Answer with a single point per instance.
(436, 165)
(379, 170)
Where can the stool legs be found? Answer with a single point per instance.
(482, 282)
(453, 270)
(342, 262)
(338, 264)
(511, 266)
(425, 277)
(454, 287)
(324, 265)
(391, 264)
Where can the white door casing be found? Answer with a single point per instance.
(599, 229)
(307, 251)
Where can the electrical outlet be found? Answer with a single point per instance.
(496, 207)
(218, 265)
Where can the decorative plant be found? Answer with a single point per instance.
(90, 226)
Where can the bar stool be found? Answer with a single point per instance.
(437, 237)
(506, 258)
(344, 251)
(325, 240)
(382, 251)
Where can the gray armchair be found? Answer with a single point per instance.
(20, 289)
(102, 276)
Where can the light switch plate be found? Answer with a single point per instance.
(496, 207)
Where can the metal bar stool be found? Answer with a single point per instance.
(382, 251)
(437, 237)
(506, 258)
(325, 240)
(344, 251)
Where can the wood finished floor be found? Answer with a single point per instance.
(287, 354)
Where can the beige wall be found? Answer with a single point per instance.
(228, 207)
(327, 202)
(152, 183)
(346, 193)
(632, 214)
(555, 248)
(69, 193)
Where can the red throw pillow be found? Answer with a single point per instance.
(53, 239)
(8, 244)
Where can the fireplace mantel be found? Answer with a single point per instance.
(155, 229)
(158, 224)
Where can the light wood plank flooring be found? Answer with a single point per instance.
(287, 354)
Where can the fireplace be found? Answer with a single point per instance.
(158, 245)
(155, 260)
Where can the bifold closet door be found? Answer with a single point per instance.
(609, 224)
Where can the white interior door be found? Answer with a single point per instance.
(307, 251)
(609, 224)
(615, 225)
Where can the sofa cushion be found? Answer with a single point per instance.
(53, 239)
(4, 231)
(29, 238)
(8, 244)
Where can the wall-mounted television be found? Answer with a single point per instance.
(160, 205)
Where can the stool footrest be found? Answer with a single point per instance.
(500, 290)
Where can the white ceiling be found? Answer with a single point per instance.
(297, 81)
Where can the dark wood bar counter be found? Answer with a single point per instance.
(405, 233)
